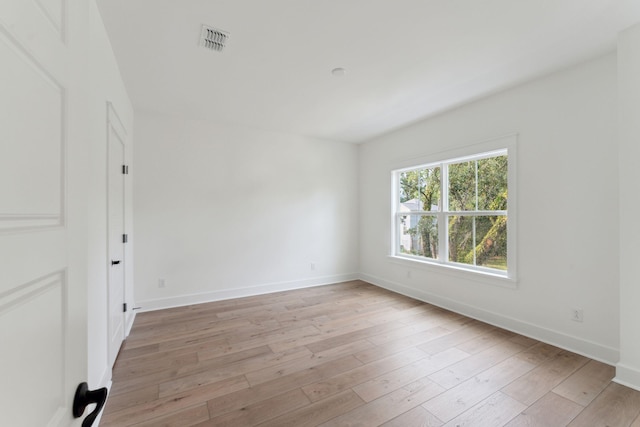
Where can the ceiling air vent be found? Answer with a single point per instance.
(213, 39)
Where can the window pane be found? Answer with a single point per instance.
(491, 241)
(430, 189)
(419, 235)
(492, 183)
(462, 186)
(420, 189)
(461, 239)
(409, 184)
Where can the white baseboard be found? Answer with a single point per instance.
(590, 349)
(182, 300)
(129, 318)
(627, 376)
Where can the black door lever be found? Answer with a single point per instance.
(85, 397)
(115, 262)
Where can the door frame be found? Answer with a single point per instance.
(115, 125)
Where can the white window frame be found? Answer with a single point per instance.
(499, 146)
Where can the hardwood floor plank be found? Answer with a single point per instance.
(372, 314)
(318, 412)
(524, 341)
(617, 405)
(550, 410)
(393, 380)
(338, 383)
(262, 411)
(494, 411)
(474, 364)
(485, 341)
(408, 336)
(188, 325)
(207, 355)
(347, 349)
(135, 397)
(128, 353)
(122, 365)
(410, 329)
(539, 353)
(329, 332)
(470, 331)
(213, 372)
(544, 378)
(325, 309)
(401, 344)
(416, 417)
(155, 365)
(283, 369)
(185, 417)
(353, 336)
(167, 405)
(388, 406)
(262, 391)
(586, 383)
(460, 398)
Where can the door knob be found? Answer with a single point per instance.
(85, 397)
(114, 262)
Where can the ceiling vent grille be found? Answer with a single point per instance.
(213, 39)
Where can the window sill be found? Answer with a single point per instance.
(456, 271)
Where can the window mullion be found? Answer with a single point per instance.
(473, 231)
(473, 227)
(443, 229)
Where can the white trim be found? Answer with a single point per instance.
(114, 124)
(586, 348)
(457, 270)
(267, 288)
(489, 145)
(627, 376)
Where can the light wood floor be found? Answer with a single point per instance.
(351, 355)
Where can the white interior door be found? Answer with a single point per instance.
(43, 331)
(116, 140)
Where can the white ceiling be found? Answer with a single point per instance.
(405, 59)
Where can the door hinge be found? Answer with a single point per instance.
(124, 307)
(125, 169)
(125, 238)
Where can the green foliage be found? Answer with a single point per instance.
(492, 183)
(462, 186)
(422, 185)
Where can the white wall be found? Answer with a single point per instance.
(222, 211)
(628, 370)
(106, 85)
(567, 207)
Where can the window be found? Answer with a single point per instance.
(454, 212)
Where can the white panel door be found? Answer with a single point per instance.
(116, 140)
(42, 215)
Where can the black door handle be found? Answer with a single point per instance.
(85, 397)
(115, 262)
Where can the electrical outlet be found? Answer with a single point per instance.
(161, 283)
(577, 315)
(313, 266)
